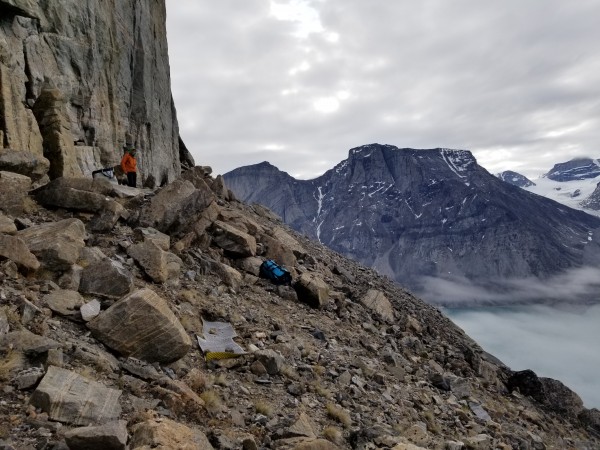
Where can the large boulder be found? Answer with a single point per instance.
(142, 326)
(160, 265)
(25, 163)
(312, 290)
(175, 206)
(56, 244)
(110, 436)
(278, 252)
(13, 193)
(166, 433)
(233, 240)
(378, 303)
(70, 398)
(106, 278)
(13, 248)
(84, 194)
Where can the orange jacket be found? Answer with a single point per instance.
(128, 163)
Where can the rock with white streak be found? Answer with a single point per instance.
(142, 326)
(70, 398)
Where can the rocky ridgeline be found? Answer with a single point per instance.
(105, 288)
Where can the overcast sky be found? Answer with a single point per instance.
(300, 82)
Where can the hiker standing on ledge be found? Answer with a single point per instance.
(129, 166)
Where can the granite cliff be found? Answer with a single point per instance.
(79, 79)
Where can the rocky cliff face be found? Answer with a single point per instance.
(516, 179)
(104, 290)
(414, 213)
(576, 169)
(79, 79)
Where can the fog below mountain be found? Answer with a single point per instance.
(574, 286)
(558, 342)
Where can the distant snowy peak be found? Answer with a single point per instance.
(515, 179)
(576, 169)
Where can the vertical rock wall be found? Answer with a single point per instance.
(80, 78)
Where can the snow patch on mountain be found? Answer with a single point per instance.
(569, 193)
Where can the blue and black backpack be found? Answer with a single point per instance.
(277, 274)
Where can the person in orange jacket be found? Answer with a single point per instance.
(129, 166)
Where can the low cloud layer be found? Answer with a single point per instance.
(299, 82)
(581, 285)
(559, 343)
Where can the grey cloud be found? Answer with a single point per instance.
(501, 79)
(580, 285)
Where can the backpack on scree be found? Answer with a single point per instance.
(271, 271)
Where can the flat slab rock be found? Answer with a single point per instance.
(111, 436)
(70, 398)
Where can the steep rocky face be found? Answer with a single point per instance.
(79, 79)
(413, 213)
(576, 169)
(593, 201)
(516, 179)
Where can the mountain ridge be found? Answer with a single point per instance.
(407, 211)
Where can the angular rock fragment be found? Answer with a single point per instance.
(71, 279)
(7, 225)
(24, 163)
(13, 193)
(271, 360)
(64, 302)
(175, 206)
(160, 265)
(150, 234)
(165, 433)
(27, 342)
(106, 278)
(90, 310)
(56, 244)
(233, 240)
(70, 398)
(141, 325)
(13, 248)
(378, 303)
(312, 290)
(28, 378)
(110, 436)
(83, 194)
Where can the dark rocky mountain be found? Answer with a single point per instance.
(593, 200)
(413, 213)
(515, 178)
(576, 169)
